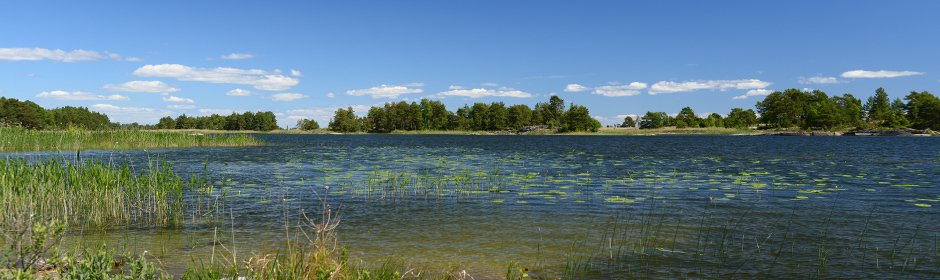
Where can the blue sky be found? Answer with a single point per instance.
(139, 60)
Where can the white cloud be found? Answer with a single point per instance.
(134, 59)
(260, 79)
(130, 114)
(490, 84)
(331, 95)
(620, 90)
(238, 56)
(176, 99)
(142, 86)
(181, 106)
(879, 74)
(287, 96)
(17, 54)
(818, 80)
(387, 91)
(224, 112)
(753, 92)
(453, 87)
(296, 73)
(722, 85)
(482, 92)
(238, 92)
(78, 95)
(575, 88)
(324, 114)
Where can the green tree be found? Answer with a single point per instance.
(653, 120)
(714, 120)
(307, 125)
(22, 113)
(166, 123)
(628, 122)
(578, 118)
(878, 109)
(345, 121)
(686, 118)
(923, 110)
(497, 116)
(783, 109)
(479, 116)
(520, 116)
(740, 118)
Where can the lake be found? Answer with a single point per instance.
(584, 206)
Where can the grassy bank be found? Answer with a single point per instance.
(20, 140)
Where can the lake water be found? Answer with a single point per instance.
(663, 207)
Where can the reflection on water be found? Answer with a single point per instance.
(683, 206)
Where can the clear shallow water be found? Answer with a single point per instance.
(669, 206)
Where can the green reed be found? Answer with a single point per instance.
(19, 139)
(91, 194)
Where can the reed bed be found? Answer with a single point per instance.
(91, 194)
(21, 140)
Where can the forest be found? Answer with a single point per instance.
(495, 116)
(791, 108)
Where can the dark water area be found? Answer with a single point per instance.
(581, 206)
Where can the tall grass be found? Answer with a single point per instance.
(90, 194)
(20, 139)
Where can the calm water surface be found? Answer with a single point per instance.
(665, 206)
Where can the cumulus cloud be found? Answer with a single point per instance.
(130, 114)
(630, 89)
(260, 79)
(177, 99)
(238, 92)
(224, 112)
(17, 54)
(324, 114)
(722, 85)
(296, 73)
(483, 92)
(331, 95)
(181, 106)
(142, 86)
(78, 95)
(753, 92)
(235, 56)
(855, 74)
(387, 91)
(575, 88)
(287, 96)
(818, 80)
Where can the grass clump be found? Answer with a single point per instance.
(90, 194)
(13, 139)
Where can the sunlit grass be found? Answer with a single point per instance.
(19, 140)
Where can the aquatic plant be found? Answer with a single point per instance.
(14, 139)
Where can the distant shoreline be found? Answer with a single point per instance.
(622, 132)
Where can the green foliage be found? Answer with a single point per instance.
(740, 118)
(519, 116)
(80, 117)
(713, 120)
(22, 113)
(628, 122)
(686, 118)
(307, 125)
(21, 139)
(258, 121)
(345, 120)
(812, 110)
(653, 120)
(578, 118)
(923, 110)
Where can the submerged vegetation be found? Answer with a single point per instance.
(20, 139)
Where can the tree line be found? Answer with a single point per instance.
(257, 121)
(737, 118)
(817, 110)
(495, 116)
(30, 115)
